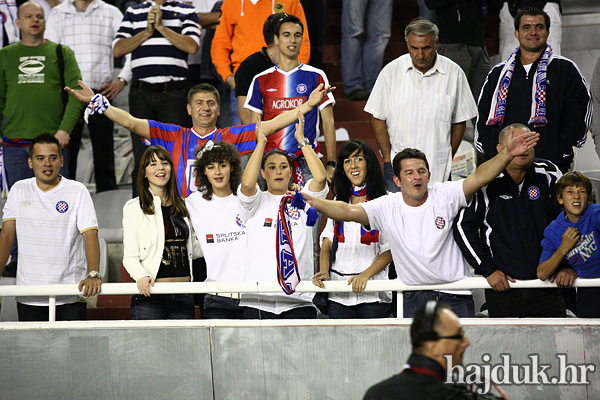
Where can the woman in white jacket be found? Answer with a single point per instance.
(159, 243)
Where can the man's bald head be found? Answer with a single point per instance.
(27, 5)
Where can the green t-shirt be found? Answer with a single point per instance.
(31, 92)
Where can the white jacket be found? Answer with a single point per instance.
(144, 240)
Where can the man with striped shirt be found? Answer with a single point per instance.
(204, 108)
(159, 35)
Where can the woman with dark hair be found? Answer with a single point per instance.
(261, 211)
(158, 240)
(349, 250)
(214, 212)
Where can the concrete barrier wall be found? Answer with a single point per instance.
(269, 362)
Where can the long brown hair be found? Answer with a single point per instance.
(178, 208)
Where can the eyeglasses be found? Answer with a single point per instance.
(459, 336)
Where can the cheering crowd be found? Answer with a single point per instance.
(248, 198)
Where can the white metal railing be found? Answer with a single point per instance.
(51, 291)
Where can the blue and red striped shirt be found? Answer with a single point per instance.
(182, 144)
(275, 91)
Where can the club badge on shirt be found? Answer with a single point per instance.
(301, 88)
(239, 222)
(278, 7)
(533, 193)
(440, 223)
(62, 207)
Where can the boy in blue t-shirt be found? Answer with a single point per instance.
(573, 236)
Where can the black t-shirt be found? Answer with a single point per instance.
(174, 262)
(249, 68)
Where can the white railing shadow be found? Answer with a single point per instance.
(51, 291)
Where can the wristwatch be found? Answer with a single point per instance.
(304, 143)
(94, 274)
(331, 163)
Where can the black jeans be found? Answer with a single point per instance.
(103, 150)
(66, 312)
(525, 303)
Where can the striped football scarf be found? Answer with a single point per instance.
(288, 274)
(538, 104)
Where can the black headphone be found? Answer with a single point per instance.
(431, 308)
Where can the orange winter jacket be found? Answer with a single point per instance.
(240, 29)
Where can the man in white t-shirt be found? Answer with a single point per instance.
(55, 220)
(418, 222)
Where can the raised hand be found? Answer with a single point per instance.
(299, 134)
(518, 145)
(260, 133)
(84, 94)
(319, 94)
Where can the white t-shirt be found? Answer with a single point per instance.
(423, 247)
(419, 109)
(221, 234)
(49, 227)
(353, 257)
(260, 217)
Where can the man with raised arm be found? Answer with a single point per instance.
(418, 222)
(501, 231)
(182, 143)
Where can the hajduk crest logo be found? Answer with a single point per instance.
(239, 222)
(440, 223)
(301, 88)
(62, 207)
(293, 212)
(533, 193)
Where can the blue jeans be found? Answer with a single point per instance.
(426, 12)
(366, 30)
(219, 307)
(163, 306)
(66, 312)
(473, 60)
(294, 313)
(388, 177)
(462, 305)
(360, 311)
(235, 115)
